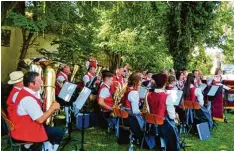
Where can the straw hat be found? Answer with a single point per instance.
(15, 77)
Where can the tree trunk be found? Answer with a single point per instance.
(26, 42)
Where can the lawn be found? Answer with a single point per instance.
(98, 140)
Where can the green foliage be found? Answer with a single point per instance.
(148, 35)
(189, 22)
(200, 60)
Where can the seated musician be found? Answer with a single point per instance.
(62, 77)
(89, 75)
(28, 117)
(130, 102)
(16, 78)
(171, 85)
(197, 80)
(194, 94)
(118, 79)
(180, 80)
(105, 99)
(161, 104)
(147, 80)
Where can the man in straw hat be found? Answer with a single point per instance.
(16, 78)
(92, 62)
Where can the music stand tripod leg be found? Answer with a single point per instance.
(69, 138)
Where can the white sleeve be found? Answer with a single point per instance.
(134, 98)
(86, 79)
(60, 78)
(87, 65)
(104, 93)
(170, 107)
(199, 96)
(14, 97)
(29, 106)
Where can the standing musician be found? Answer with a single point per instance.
(217, 79)
(28, 117)
(180, 80)
(161, 104)
(194, 94)
(16, 78)
(105, 99)
(91, 62)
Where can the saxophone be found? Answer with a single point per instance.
(49, 90)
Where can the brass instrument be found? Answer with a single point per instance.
(49, 89)
(118, 95)
(145, 108)
(75, 69)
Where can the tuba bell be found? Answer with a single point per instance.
(49, 80)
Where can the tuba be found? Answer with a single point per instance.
(49, 89)
(75, 69)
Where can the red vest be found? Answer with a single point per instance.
(170, 87)
(57, 88)
(109, 100)
(119, 79)
(192, 96)
(25, 128)
(157, 103)
(126, 103)
(9, 101)
(90, 77)
(93, 63)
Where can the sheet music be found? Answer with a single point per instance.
(202, 86)
(176, 96)
(226, 87)
(67, 91)
(84, 94)
(213, 90)
(143, 92)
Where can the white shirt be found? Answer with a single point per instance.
(134, 98)
(199, 95)
(86, 78)
(29, 106)
(104, 93)
(15, 95)
(169, 103)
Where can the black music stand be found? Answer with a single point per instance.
(225, 102)
(80, 105)
(67, 94)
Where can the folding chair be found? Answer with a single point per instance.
(10, 127)
(151, 119)
(123, 115)
(188, 105)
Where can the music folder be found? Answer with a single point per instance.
(203, 131)
(143, 92)
(213, 90)
(176, 96)
(83, 96)
(202, 86)
(67, 91)
(226, 87)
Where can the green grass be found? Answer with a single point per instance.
(97, 140)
